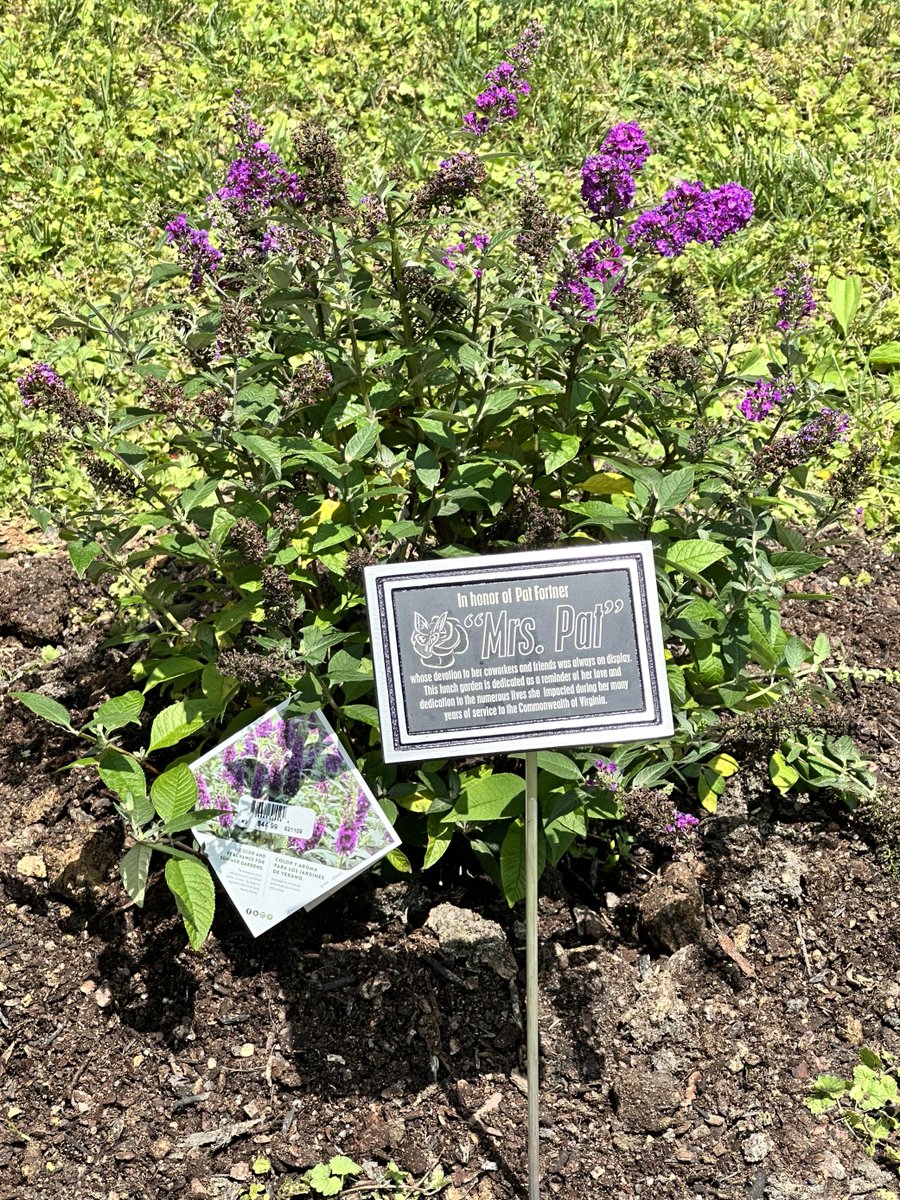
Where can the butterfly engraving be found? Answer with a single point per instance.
(438, 641)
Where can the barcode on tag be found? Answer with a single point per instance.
(268, 816)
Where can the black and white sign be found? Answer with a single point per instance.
(518, 651)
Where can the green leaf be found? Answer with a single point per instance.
(190, 820)
(471, 359)
(558, 765)
(694, 556)
(134, 869)
(261, 447)
(341, 1165)
(844, 296)
(194, 495)
(792, 564)
(192, 886)
(512, 862)
(321, 1179)
(490, 798)
(44, 707)
(161, 272)
(119, 711)
(82, 554)
(440, 835)
(344, 668)
(885, 355)
(363, 440)
(782, 774)
(674, 488)
(174, 793)
(677, 683)
(821, 648)
(557, 448)
(399, 861)
(221, 525)
(125, 778)
(179, 721)
(428, 468)
(361, 712)
(870, 1059)
(175, 667)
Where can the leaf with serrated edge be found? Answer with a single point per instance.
(119, 711)
(174, 793)
(44, 707)
(134, 869)
(191, 884)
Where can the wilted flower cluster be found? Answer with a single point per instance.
(814, 439)
(795, 298)
(499, 102)
(457, 177)
(690, 213)
(308, 383)
(539, 228)
(765, 395)
(42, 389)
(607, 178)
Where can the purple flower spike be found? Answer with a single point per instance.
(499, 102)
(795, 299)
(194, 249)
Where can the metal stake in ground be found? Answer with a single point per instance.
(531, 974)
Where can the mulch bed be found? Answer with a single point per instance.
(674, 1062)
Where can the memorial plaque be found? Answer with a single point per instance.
(518, 651)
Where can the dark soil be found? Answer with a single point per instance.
(683, 1013)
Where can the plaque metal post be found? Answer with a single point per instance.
(532, 817)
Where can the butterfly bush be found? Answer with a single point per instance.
(409, 365)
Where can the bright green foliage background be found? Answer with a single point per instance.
(111, 120)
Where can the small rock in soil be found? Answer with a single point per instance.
(645, 1102)
(32, 866)
(464, 934)
(672, 909)
(757, 1147)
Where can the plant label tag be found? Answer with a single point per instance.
(518, 651)
(295, 820)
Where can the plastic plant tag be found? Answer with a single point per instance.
(295, 819)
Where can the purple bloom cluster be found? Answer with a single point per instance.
(607, 178)
(469, 241)
(606, 772)
(38, 380)
(499, 102)
(795, 298)
(682, 823)
(598, 263)
(690, 213)
(764, 395)
(257, 180)
(195, 250)
(814, 439)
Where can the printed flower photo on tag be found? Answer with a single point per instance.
(283, 791)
